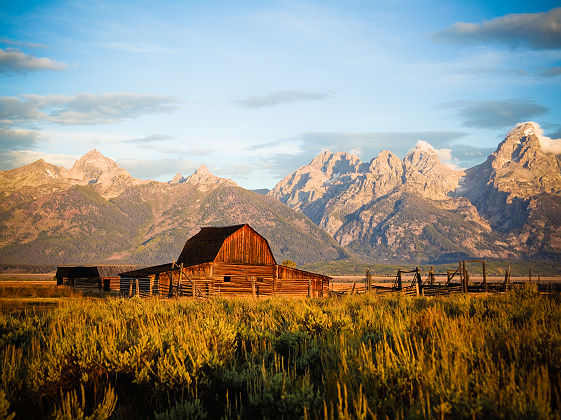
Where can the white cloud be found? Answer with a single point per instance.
(445, 155)
(18, 139)
(548, 144)
(158, 169)
(15, 61)
(282, 98)
(83, 109)
(7, 41)
(16, 158)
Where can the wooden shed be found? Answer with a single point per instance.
(91, 278)
(224, 261)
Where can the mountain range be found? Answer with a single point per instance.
(417, 209)
(97, 212)
(414, 209)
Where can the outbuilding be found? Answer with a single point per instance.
(224, 261)
(91, 278)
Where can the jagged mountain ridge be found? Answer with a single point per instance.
(414, 209)
(97, 212)
(417, 209)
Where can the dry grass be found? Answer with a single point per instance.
(356, 357)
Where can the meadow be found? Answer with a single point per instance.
(359, 356)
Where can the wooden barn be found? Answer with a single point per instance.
(91, 278)
(224, 261)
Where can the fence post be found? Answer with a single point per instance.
(431, 276)
(464, 277)
(253, 287)
(485, 278)
(399, 280)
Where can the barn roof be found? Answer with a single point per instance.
(145, 272)
(76, 271)
(114, 270)
(92, 271)
(204, 246)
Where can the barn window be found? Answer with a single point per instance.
(227, 279)
(260, 279)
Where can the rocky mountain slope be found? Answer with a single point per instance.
(98, 212)
(417, 209)
(410, 210)
(518, 190)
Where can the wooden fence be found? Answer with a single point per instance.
(452, 281)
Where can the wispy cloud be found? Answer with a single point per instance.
(495, 114)
(282, 98)
(82, 109)
(159, 169)
(18, 139)
(15, 61)
(444, 154)
(306, 146)
(133, 47)
(7, 41)
(552, 72)
(16, 158)
(152, 138)
(548, 144)
(533, 30)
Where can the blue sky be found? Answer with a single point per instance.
(254, 90)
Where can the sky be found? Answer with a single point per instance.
(256, 89)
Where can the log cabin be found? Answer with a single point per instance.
(224, 261)
(91, 278)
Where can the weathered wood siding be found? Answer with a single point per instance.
(297, 283)
(110, 283)
(245, 280)
(227, 279)
(245, 246)
(143, 286)
(87, 284)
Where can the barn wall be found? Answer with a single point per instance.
(241, 276)
(114, 283)
(245, 246)
(207, 280)
(144, 287)
(87, 284)
(297, 283)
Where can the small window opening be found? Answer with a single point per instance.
(227, 279)
(260, 279)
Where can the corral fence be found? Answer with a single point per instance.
(414, 282)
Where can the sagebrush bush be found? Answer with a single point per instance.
(356, 357)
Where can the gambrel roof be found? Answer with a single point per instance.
(205, 245)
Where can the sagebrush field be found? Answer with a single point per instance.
(356, 357)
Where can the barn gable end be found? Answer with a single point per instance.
(245, 246)
(238, 244)
(224, 261)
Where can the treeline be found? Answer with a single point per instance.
(27, 268)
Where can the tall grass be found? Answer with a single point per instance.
(39, 291)
(357, 357)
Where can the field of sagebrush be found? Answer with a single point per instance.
(355, 357)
